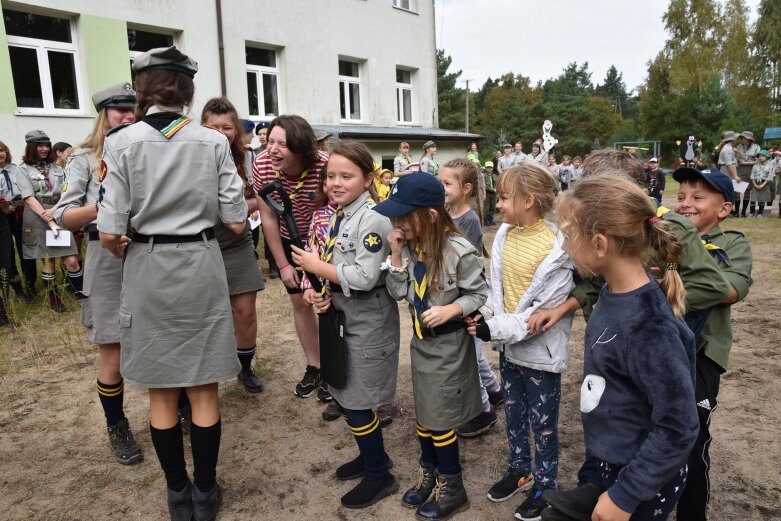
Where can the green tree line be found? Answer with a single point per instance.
(716, 72)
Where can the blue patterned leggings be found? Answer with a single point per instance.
(532, 401)
(657, 509)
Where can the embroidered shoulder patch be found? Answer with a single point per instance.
(103, 170)
(372, 242)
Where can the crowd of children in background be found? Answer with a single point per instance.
(414, 233)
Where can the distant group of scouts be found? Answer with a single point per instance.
(170, 281)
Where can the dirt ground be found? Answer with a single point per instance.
(278, 457)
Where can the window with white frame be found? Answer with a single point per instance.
(404, 96)
(407, 5)
(262, 82)
(350, 90)
(139, 41)
(44, 62)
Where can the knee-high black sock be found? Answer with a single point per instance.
(744, 207)
(752, 209)
(246, 354)
(761, 209)
(48, 282)
(446, 446)
(111, 398)
(169, 446)
(205, 443)
(365, 427)
(427, 452)
(76, 280)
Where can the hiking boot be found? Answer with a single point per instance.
(386, 413)
(123, 445)
(247, 378)
(55, 302)
(447, 499)
(496, 398)
(577, 503)
(206, 504)
(369, 491)
(419, 494)
(331, 412)
(532, 507)
(323, 394)
(478, 425)
(353, 469)
(185, 418)
(512, 482)
(309, 383)
(180, 504)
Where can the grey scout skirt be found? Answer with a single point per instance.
(34, 238)
(445, 380)
(372, 337)
(241, 261)
(175, 319)
(102, 285)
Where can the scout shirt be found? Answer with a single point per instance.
(727, 157)
(506, 162)
(155, 178)
(81, 187)
(749, 153)
(518, 158)
(32, 182)
(716, 336)
(9, 188)
(361, 246)
(429, 164)
(705, 284)
(400, 163)
(761, 173)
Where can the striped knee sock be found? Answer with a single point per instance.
(365, 427)
(446, 447)
(112, 398)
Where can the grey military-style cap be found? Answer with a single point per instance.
(36, 136)
(119, 95)
(167, 59)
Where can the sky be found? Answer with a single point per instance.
(489, 38)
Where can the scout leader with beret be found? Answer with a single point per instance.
(351, 263)
(40, 181)
(169, 181)
(78, 208)
(428, 163)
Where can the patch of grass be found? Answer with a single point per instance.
(265, 366)
(235, 391)
(146, 481)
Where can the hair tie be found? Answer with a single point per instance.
(672, 266)
(653, 220)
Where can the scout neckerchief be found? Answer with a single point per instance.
(298, 186)
(8, 182)
(167, 123)
(713, 249)
(333, 231)
(420, 299)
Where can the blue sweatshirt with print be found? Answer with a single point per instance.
(637, 398)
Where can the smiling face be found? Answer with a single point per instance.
(345, 181)
(3, 157)
(701, 204)
(120, 115)
(222, 122)
(517, 209)
(455, 192)
(282, 158)
(42, 149)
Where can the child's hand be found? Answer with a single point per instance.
(322, 302)
(471, 323)
(305, 259)
(309, 296)
(436, 316)
(396, 241)
(606, 510)
(543, 320)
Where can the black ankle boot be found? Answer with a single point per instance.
(206, 504)
(180, 504)
(448, 498)
(419, 494)
(353, 469)
(369, 491)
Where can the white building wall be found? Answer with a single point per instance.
(311, 36)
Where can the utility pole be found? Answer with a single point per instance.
(466, 118)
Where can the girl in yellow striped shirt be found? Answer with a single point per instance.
(529, 271)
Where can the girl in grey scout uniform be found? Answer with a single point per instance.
(102, 271)
(351, 262)
(747, 152)
(238, 251)
(41, 182)
(428, 163)
(440, 274)
(169, 181)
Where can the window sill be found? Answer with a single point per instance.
(54, 115)
(407, 124)
(354, 122)
(405, 10)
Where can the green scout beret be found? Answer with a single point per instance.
(167, 59)
(119, 95)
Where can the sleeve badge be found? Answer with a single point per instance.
(103, 170)
(372, 242)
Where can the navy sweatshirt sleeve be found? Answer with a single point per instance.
(637, 397)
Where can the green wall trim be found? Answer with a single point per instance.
(7, 92)
(106, 54)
